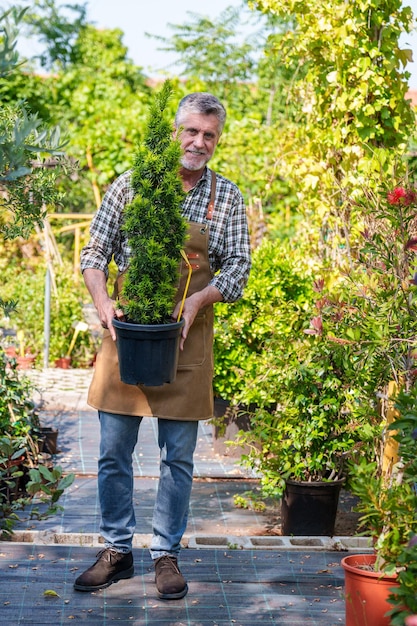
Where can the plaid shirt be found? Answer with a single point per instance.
(229, 247)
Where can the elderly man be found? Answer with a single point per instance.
(219, 250)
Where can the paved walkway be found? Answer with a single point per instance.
(240, 570)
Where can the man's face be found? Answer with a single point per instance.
(198, 138)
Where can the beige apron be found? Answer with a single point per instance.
(190, 396)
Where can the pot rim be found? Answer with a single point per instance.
(367, 559)
(148, 327)
(315, 483)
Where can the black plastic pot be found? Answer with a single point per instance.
(310, 508)
(49, 439)
(148, 354)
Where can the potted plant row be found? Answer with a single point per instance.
(27, 469)
(148, 337)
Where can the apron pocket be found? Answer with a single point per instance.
(194, 353)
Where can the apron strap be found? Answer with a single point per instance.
(210, 208)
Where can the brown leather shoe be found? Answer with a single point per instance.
(170, 583)
(110, 567)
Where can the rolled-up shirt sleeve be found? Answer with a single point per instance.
(234, 260)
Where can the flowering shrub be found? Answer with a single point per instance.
(329, 375)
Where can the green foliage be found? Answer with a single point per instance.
(57, 28)
(248, 156)
(26, 186)
(211, 50)
(153, 221)
(23, 473)
(9, 56)
(48, 484)
(227, 58)
(18, 415)
(405, 599)
(274, 307)
(387, 496)
(249, 500)
(102, 98)
(371, 309)
(355, 66)
(322, 414)
(324, 371)
(95, 91)
(352, 117)
(11, 496)
(66, 310)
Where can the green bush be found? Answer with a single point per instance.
(66, 310)
(275, 305)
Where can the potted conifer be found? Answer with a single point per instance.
(148, 339)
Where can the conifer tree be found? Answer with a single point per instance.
(154, 224)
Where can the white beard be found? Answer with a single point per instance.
(192, 164)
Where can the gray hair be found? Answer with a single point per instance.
(202, 103)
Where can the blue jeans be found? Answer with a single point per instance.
(177, 441)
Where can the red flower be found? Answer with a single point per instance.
(399, 195)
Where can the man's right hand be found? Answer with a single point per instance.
(96, 284)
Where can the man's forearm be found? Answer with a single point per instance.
(96, 284)
(208, 295)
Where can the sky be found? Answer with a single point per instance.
(136, 17)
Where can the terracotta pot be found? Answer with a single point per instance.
(64, 362)
(366, 591)
(25, 362)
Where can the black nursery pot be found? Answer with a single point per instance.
(49, 439)
(310, 508)
(148, 354)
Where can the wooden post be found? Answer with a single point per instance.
(77, 238)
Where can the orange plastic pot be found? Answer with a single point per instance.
(64, 362)
(366, 591)
(25, 362)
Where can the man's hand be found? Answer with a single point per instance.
(95, 281)
(192, 305)
(107, 312)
